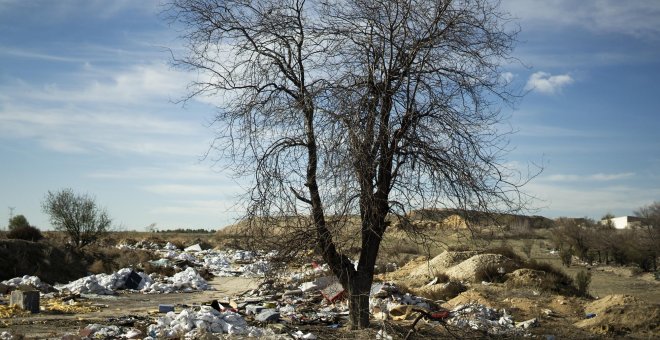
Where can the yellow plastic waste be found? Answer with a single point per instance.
(68, 307)
(12, 311)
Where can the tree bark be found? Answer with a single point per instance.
(359, 288)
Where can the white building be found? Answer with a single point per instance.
(623, 222)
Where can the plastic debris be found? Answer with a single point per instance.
(527, 324)
(382, 335)
(97, 331)
(32, 281)
(195, 247)
(104, 284)
(268, 315)
(301, 335)
(480, 317)
(186, 281)
(70, 306)
(7, 336)
(11, 311)
(188, 323)
(333, 292)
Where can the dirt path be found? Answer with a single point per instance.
(54, 326)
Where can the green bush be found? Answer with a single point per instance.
(27, 233)
(18, 221)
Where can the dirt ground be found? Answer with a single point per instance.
(54, 326)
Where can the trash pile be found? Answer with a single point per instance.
(480, 317)
(97, 331)
(108, 284)
(191, 324)
(186, 281)
(230, 262)
(128, 279)
(32, 281)
(311, 296)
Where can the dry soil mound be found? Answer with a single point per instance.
(621, 315)
(525, 277)
(468, 297)
(441, 263)
(468, 269)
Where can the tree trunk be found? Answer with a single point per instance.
(359, 288)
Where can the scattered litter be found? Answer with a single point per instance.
(7, 336)
(170, 246)
(527, 324)
(333, 292)
(195, 247)
(12, 311)
(165, 308)
(590, 315)
(382, 335)
(301, 335)
(268, 315)
(71, 306)
(97, 331)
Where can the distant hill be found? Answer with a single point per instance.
(478, 217)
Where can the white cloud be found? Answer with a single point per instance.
(226, 210)
(637, 18)
(578, 201)
(507, 77)
(546, 83)
(167, 171)
(599, 177)
(187, 189)
(125, 111)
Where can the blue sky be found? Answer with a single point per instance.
(87, 102)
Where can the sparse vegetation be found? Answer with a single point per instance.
(527, 246)
(28, 233)
(582, 281)
(78, 215)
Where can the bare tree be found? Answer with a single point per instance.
(649, 241)
(349, 112)
(77, 215)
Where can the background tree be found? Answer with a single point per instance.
(77, 215)
(649, 241)
(20, 228)
(349, 112)
(18, 221)
(576, 235)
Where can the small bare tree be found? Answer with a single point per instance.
(650, 230)
(349, 112)
(77, 215)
